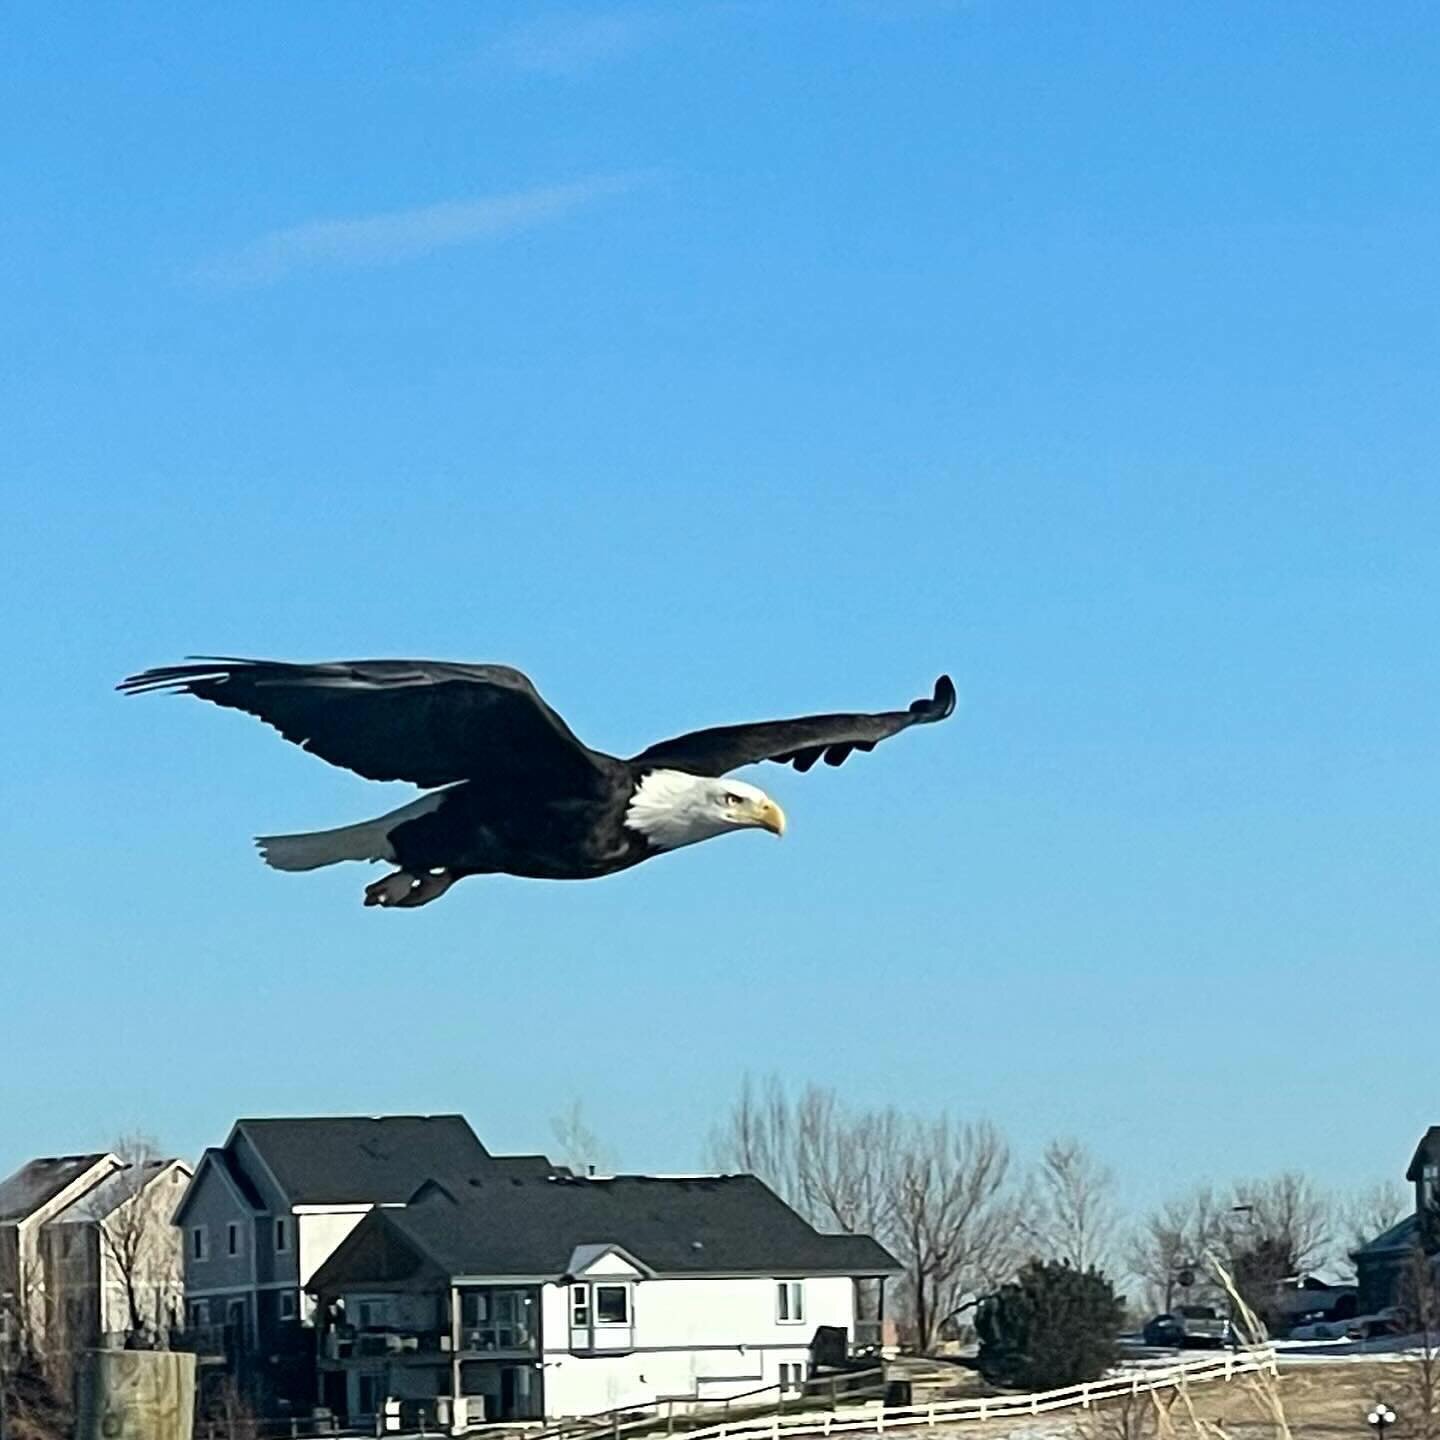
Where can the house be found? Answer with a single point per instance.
(529, 1296)
(87, 1251)
(29, 1199)
(1383, 1267)
(266, 1209)
(114, 1255)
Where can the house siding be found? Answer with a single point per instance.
(212, 1203)
(706, 1338)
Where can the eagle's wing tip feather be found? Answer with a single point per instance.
(940, 705)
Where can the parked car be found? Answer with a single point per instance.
(1189, 1327)
(1356, 1327)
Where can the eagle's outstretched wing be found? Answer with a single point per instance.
(799, 742)
(425, 721)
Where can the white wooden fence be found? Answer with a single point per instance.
(998, 1407)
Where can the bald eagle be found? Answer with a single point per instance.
(514, 791)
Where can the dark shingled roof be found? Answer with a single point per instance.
(40, 1181)
(1399, 1237)
(353, 1159)
(517, 1225)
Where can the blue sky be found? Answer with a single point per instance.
(713, 362)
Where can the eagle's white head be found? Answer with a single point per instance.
(671, 809)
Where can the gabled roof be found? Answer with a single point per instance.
(116, 1188)
(528, 1226)
(353, 1159)
(39, 1182)
(1426, 1148)
(1400, 1236)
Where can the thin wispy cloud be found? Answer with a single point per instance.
(397, 235)
(568, 42)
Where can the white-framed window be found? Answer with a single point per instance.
(232, 1238)
(580, 1307)
(790, 1302)
(199, 1242)
(199, 1313)
(286, 1309)
(282, 1234)
(612, 1304)
(792, 1376)
(373, 1312)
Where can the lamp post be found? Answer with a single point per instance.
(1381, 1416)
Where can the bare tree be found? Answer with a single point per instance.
(758, 1137)
(1419, 1296)
(578, 1145)
(135, 1239)
(955, 1222)
(846, 1163)
(1370, 1211)
(937, 1193)
(1072, 1215)
(1170, 1245)
(1289, 1211)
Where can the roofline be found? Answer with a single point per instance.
(96, 1159)
(162, 1169)
(208, 1158)
(1412, 1173)
(603, 1248)
(239, 1129)
(794, 1273)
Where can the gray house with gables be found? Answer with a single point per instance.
(268, 1207)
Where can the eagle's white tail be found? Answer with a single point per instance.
(370, 840)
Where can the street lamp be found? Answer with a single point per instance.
(1380, 1416)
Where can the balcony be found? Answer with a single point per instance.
(513, 1337)
(390, 1342)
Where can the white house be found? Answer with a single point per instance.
(87, 1251)
(524, 1297)
(114, 1255)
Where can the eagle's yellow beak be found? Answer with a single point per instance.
(769, 816)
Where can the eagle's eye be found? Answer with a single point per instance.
(731, 798)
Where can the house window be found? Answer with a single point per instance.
(199, 1313)
(199, 1243)
(373, 1314)
(612, 1304)
(790, 1302)
(580, 1307)
(232, 1238)
(282, 1235)
(792, 1377)
(370, 1388)
(287, 1305)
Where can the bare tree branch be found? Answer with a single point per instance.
(1073, 1216)
(578, 1145)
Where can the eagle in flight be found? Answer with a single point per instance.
(513, 791)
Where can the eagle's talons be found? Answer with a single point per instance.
(404, 891)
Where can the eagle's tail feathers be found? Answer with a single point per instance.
(368, 841)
